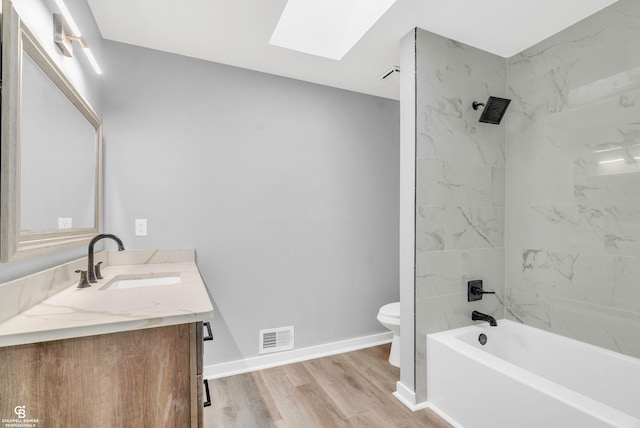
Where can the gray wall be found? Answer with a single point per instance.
(37, 15)
(287, 190)
(573, 223)
(460, 169)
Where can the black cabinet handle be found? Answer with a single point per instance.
(209, 335)
(207, 403)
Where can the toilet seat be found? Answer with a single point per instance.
(391, 310)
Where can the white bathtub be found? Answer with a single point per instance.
(525, 377)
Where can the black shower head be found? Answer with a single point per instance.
(493, 110)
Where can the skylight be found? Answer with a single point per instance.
(326, 28)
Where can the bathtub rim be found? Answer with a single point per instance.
(588, 405)
(483, 327)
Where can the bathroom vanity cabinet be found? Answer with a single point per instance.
(140, 378)
(116, 354)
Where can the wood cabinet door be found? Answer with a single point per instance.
(141, 378)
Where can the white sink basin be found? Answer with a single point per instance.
(141, 280)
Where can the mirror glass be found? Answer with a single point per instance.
(57, 157)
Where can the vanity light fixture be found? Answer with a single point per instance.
(67, 16)
(65, 30)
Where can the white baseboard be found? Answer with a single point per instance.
(443, 415)
(231, 368)
(408, 397)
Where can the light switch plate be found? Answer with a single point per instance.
(141, 227)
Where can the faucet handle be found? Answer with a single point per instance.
(97, 271)
(83, 283)
(478, 291)
(475, 290)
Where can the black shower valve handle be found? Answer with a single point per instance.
(475, 290)
(478, 291)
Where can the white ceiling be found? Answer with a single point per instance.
(237, 32)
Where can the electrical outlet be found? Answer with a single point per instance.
(141, 227)
(64, 223)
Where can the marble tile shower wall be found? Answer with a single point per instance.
(573, 181)
(460, 188)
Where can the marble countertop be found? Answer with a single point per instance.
(75, 312)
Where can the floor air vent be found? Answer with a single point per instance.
(276, 339)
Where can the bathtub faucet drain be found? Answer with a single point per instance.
(482, 338)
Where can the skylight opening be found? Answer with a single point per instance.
(326, 28)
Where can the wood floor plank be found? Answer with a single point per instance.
(220, 393)
(298, 374)
(269, 402)
(313, 397)
(237, 401)
(373, 363)
(287, 399)
(351, 392)
(318, 403)
(346, 390)
(376, 369)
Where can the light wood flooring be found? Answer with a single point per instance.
(346, 390)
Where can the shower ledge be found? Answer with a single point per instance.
(73, 312)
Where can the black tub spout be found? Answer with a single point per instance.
(479, 316)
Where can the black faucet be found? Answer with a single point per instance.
(91, 273)
(479, 316)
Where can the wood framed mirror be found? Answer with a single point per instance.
(50, 153)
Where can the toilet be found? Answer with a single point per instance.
(389, 316)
